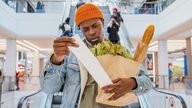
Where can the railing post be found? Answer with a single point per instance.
(9, 88)
(1, 82)
(0, 92)
(164, 82)
(28, 103)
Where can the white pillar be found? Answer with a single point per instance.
(11, 56)
(163, 64)
(188, 80)
(189, 56)
(156, 68)
(10, 65)
(35, 69)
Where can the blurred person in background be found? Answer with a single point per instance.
(1, 73)
(1, 76)
(116, 14)
(113, 29)
(170, 73)
(66, 28)
(40, 7)
(17, 80)
(80, 3)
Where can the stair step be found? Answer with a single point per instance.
(55, 105)
(57, 100)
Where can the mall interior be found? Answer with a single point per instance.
(29, 27)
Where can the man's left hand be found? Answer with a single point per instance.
(120, 87)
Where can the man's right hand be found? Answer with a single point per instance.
(61, 49)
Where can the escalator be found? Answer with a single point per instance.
(138, 3)
(71, 16)
(153, 99)
(157, 98)
(56, 100)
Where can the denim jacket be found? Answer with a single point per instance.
(74, 81)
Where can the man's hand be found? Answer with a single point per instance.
(120, 87)
(61, 49)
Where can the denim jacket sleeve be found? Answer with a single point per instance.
(143, 83)
(52, 78)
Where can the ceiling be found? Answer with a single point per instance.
(176, 39)
(172, 45)
(42, 44)
(182, 31)
(29, 47)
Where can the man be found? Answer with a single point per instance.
(80, 89)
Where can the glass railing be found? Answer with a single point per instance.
(174, 83)
(188, 85)
(25, 6)
(8, 84)
(25, 83)
(10, 3)
(1, 83)
(161, 99)
(135, 7)
(172, 97)
(12, 88)
(126, 7)
(37, 6)
(50, 6)
(35, 100)
(149, 100)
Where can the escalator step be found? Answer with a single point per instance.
(55, 105)
(57, 100)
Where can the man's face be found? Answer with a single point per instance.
(93, 30)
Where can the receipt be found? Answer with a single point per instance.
(90, 62)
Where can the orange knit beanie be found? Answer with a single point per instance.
(87, 12)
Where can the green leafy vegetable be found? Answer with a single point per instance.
(108, 48)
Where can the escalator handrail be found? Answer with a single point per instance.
(22, 100)
(141, 4)
(65, 11)
(177, 96)
(32, 5)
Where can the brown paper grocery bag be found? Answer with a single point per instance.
(118, 67)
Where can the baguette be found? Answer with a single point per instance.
(143, 45)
